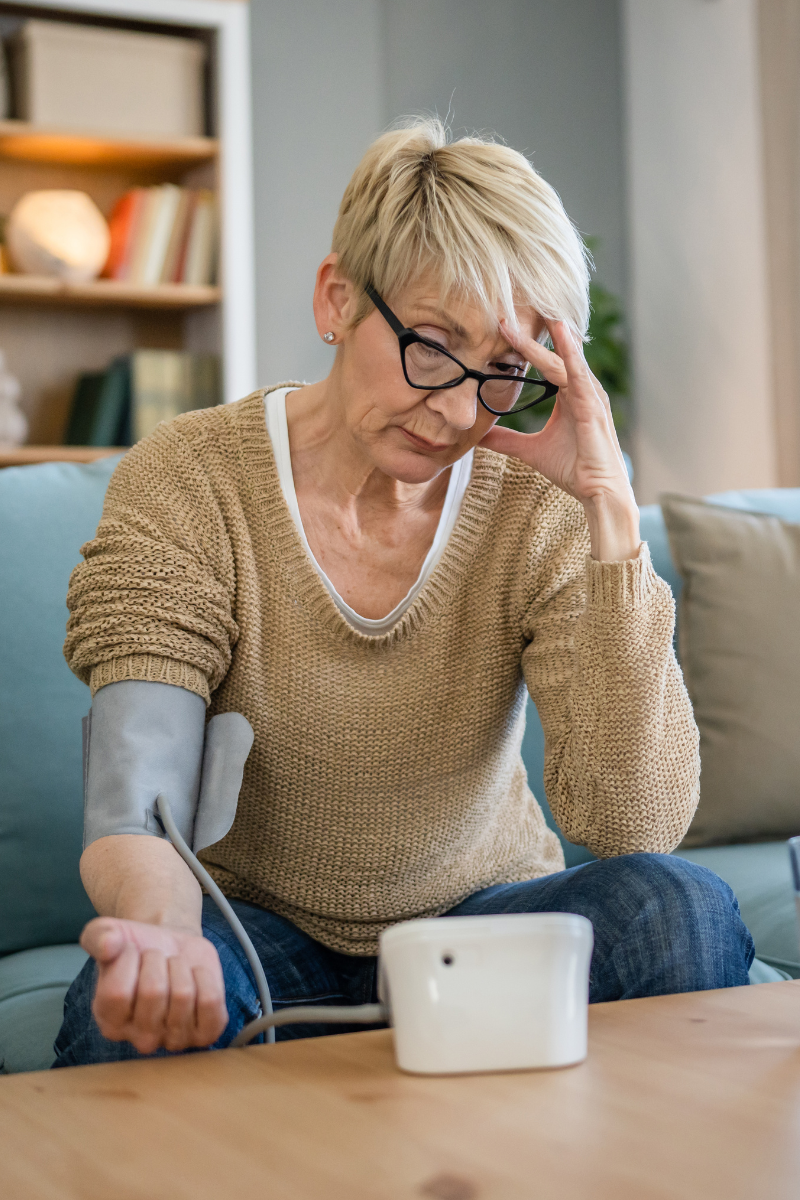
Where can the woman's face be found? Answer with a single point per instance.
(408, 434)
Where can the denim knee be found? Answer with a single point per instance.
(661, 924)
(684, 928)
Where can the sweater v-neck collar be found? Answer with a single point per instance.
(295, 566)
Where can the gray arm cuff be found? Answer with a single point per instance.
(142, 738)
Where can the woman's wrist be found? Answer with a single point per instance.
(613, 522)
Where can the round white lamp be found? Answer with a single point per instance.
(55, 232)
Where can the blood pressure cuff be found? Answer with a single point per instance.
(141, 739)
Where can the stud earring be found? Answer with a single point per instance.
(328, 337)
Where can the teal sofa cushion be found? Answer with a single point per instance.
(33, 984)
(46, 513)
(778, 502)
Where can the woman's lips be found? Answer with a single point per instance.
(423, 443)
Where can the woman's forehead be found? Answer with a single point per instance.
(468, 319)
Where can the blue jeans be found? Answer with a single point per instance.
(661, 924)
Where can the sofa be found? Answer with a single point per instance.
(46, 513)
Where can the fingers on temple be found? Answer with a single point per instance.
(564, 341)
(549, 364)
(575, 363)
(545, 361)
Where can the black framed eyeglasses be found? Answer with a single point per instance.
(427, 366)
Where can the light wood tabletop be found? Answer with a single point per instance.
(692, 1097)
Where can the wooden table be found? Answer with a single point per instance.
(693, 1097)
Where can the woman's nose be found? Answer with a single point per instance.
(457, 405)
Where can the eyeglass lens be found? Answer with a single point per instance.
(427, 367)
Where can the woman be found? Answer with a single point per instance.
(372, 571)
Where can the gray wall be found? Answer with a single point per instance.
(318, 102)
(328, 77)
(699, 267)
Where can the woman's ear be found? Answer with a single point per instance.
(334, 301)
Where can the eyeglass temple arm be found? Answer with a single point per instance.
(397, 326)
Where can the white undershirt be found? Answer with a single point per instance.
(460, 472)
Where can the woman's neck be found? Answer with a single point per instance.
(369, 532)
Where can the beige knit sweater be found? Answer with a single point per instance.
(385, 781)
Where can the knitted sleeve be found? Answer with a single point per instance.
(154, 596)
(622, 760)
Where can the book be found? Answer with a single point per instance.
(206, 383)
(163, 234)
(134, 226)
(125, 403)
(165, 211)
(165, 383)
(180, 262)
(110, 421)
(173, 259)
(143, 234)
(84, 407)
(159, 389)
(100, 407)
(198, 266)
(120, 224)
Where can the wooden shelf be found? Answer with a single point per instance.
(27, 143)
(26, 456)
(42, 289)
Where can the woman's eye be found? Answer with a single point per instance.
(513, 369)
(432, 336)
(428, 351)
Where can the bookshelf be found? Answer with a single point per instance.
(26, 456)
(40, 289)
(52, 331)
(25, 143)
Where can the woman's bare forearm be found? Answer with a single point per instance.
(141, 878)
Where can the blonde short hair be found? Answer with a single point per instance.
(473, 212)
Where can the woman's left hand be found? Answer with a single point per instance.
(578, 449)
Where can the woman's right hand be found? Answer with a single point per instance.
(157, 985)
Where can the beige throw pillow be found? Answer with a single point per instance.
(739, 646)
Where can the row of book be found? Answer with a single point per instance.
(163, 234)
(121, 405)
